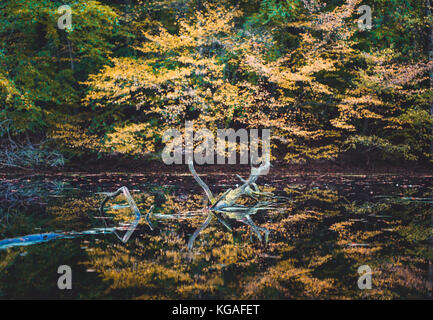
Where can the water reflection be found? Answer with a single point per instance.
(316, 243)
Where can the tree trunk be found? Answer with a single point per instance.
(430, 57)
(71, 57)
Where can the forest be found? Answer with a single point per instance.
(93, 93)
(123, 72)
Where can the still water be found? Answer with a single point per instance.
(328, 226)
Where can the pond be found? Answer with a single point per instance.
(326, 228)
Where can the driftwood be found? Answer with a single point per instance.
(225, 205)
(132, 225)
(221, 208)
(45, 237)
(32, 239)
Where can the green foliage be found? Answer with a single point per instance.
(382, 148)
(41, 65)
(124, 72)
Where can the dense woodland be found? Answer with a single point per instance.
(128, 70)
(105, 90)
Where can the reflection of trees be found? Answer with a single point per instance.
(317, 242)
(31, 272)
(315, 248)
(17, 195)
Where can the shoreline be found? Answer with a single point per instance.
(278, 168)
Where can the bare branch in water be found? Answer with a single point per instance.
(132, 226)
(220, 208)
(225, 204)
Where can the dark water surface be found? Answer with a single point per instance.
(330, 226)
